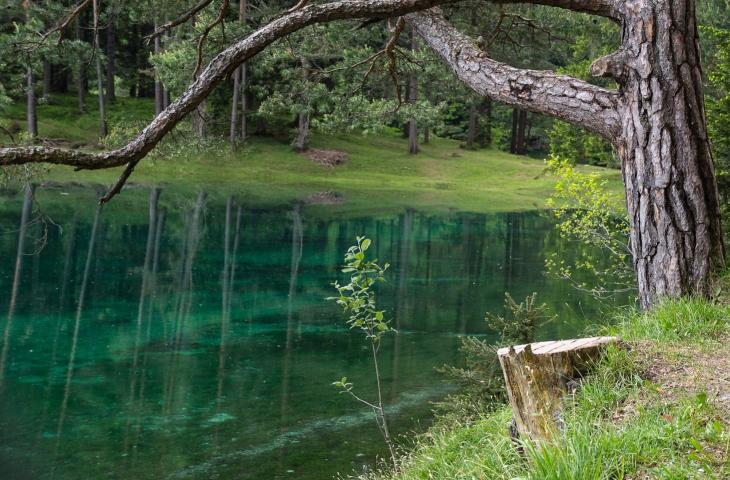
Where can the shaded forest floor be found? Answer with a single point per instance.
(378, 175)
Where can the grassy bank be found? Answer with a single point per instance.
(378, 176)
(658, 410)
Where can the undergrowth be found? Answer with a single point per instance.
(618, 425)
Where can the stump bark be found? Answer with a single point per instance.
(538, 376)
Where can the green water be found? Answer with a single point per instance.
(191, 339)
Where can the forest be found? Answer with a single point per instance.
(179, 182)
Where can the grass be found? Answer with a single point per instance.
(620, 424)
(378, 177)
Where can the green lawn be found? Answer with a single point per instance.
(379, 175)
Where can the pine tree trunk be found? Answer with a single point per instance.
(471, 133)
(244, 101)
(412, 99)
(239, 90)
(667, 167)
(32, 118)
(485, 116)
(233, 134)
(46, 79)
(159, 91)
(80, 72)
(301, 141)
(515, 126)
(99, 74)
(520, 142)
(111, 39)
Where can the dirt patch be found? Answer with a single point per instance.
(326, 158)
(681, 370)
(329, 197)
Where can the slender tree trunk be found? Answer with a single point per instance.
(513, 131)
(159, 91)
(32, 118)
(46, 79)
(301, 141)
(485, 117)
(426, 135)
(111, 34)
(80, 71)
(519, 120)
(165, 91)
(239, 79)
(412, 98)
(233, 131)
(471, 133)
(520, 144)
(244, 101)
(667, 167)
(99, 74)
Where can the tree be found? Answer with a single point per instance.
(655, 119)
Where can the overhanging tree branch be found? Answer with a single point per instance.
(559, 96)
(218, 68)
(604, 8)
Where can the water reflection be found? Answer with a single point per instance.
(189, 337)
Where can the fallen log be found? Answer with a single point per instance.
(539, 375)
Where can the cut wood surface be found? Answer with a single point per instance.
(538, 376)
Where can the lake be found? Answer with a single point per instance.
(188, 336)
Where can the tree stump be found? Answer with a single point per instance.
(538, 376)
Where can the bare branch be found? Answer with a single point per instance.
(219, 19)
(60, 26)
(559, 96)
(179, 20)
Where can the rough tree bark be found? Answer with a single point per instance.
(655, 119)
(671, 190)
